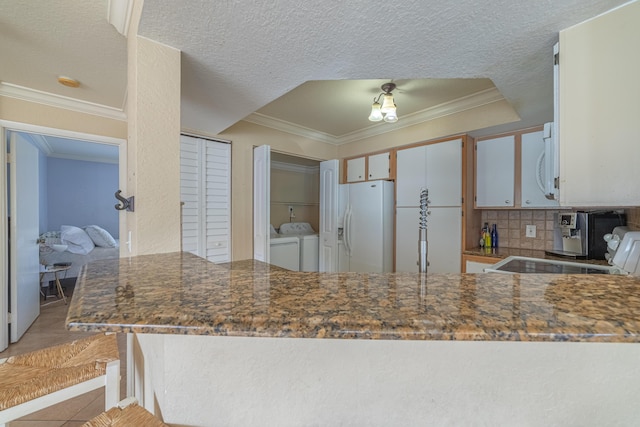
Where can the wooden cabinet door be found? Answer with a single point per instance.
(355, 170)
(495, 172)
(379, 167)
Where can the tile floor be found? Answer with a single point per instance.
(48, 330)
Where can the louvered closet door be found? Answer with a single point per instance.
(205, 186)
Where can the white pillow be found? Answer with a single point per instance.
(100, 236)
(76, 239)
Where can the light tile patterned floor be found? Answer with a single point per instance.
(48, 330)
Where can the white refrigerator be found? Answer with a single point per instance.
(365, 227)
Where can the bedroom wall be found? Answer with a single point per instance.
(82, 193)
(43, 187)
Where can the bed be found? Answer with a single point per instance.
(78, 246)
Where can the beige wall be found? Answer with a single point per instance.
(20, 111)
(493, 114)
(300, 190)
(154, 146)
(244, 137)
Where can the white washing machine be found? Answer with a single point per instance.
(284, 251)
(309, 243)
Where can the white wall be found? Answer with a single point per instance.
(236, 381)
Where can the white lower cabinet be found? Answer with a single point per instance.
(444, 237)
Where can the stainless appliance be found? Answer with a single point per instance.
(581, 234)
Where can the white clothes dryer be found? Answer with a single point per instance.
(309, 243)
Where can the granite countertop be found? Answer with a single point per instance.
(180, 293)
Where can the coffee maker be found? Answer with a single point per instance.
(581, 234)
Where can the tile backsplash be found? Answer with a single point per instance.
(512, 226)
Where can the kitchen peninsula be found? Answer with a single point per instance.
(246, 343)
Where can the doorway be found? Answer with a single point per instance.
(286, 209)
(54, 145)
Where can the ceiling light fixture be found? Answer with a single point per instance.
(68, 81)
(387, 110)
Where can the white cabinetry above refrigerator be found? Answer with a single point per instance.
(370, 167)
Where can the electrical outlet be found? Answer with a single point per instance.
(290, 209)
(531, 231)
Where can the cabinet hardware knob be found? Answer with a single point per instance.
(528, 202)
(506, 202)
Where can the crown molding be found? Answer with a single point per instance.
(119, 15)
(53, 100)
(288, 127)
(475, 100)
(295, 168)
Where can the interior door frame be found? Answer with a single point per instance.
(5, 127)
(262, 203)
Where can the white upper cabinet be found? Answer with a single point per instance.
(411, 175)
(436, 167)
(369, 168)
(355, 170)
(495, 172)
(532, 172)
(599, 121)
(379, 167)
(444, 173)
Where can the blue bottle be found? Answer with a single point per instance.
(494, 236)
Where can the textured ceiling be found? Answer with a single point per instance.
(245, 56)
(238, 56)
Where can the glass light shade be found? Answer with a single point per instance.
(388, 104)
(376, 114)
(391, 117)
